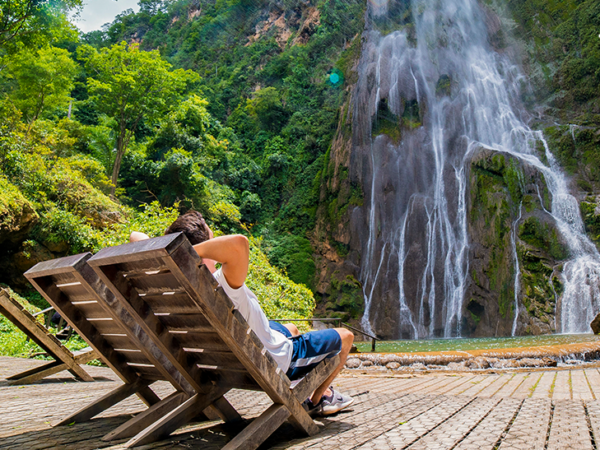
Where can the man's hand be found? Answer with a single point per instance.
(136, 236)
(232, 252)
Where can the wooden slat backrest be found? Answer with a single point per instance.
(165, 300)
(76, 292)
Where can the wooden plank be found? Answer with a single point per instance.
(142, 267)
(41, 372)
(40, 335)
(562, 385)
(164, 284)
(47, 287)
(489, 431)
(527, 387)
(147, 417)
(579, 386)
(201, 341)
(35, 331)
(569, 428)
(134, 335)
(56, 266)
(38, 373)
(260, 429)
(544, 386)
(225, 411)
(134, 306)
(175, 304)
(174, 419)
(91, 310)
(194, 323)
(315, 377)
(103, 403)
(530, 427)
(142, 250)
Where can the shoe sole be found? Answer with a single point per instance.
(342, 406)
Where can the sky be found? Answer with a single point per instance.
(96, 13)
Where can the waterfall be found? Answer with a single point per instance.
(416, 184)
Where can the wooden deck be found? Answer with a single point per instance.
(556, 409)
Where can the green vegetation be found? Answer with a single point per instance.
(591, 218)
(279, 297)
(543, 236)
(562, 37)
(131, 87)
(207, 105)
(14, 343)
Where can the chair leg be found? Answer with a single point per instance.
(105, 402)
(173, 420)
(36, 374)
(147, 417)
(225, 411)
(80, 374)
(260, 429)
(148, 396)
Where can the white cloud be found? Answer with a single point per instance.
(96, 13)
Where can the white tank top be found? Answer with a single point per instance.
(246, 303)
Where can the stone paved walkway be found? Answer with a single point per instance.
(551, 409)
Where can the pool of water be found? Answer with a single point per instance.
(458, 344)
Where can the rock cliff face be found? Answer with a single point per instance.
(440, 207)
(511, 233)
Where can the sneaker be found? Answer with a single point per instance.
(335, 402)
(311, 408)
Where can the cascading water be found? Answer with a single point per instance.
(416, 248)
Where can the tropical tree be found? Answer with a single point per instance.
(132, 86)
(42, 80)
(33, 22)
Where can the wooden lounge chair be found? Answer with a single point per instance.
(64, 359)
(76, 292)
(176, 301)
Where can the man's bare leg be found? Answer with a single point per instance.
(347, 340)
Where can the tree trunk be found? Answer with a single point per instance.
(121, 147)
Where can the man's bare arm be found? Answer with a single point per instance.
(232, 252)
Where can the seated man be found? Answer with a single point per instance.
(294, 353)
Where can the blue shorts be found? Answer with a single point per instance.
(309, 349)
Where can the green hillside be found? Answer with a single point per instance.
(183, 105)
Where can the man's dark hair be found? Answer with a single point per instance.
(191, 224)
